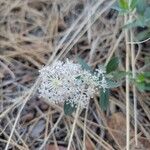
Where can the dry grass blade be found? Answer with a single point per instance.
(36, 33)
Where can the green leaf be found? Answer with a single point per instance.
(147, 13)
(140, 22)
(117, 8)
(68, 108)
(141, 86)
(140, 78)
(112, 84)
(142, 81)
(133, 4)
(104, 99)
(141, 7)
(119, 75)
(147, 87)
(112, 65)
(146, 74)
(84, 64)
(123, 4)
(143, 35)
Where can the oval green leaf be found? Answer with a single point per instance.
(104, 99)
(112, 65)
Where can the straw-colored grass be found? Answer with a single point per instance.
(34, 33)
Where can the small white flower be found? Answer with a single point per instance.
(101, 74)
(103, 83)
(100, 71)
(67, 81)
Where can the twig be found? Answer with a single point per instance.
(52, 130)
(127, 89)
(115, 47)
(140, 42)
(19, 113)
(73, 127)
(84, 130)
(134, 88)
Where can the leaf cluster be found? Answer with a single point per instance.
(142, 16)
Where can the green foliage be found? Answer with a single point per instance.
(141, 7)
(140, 22)
(112, 65)
(147, 87)
(112, 84)
(68, 108)
(143, 35)
(142, 81)
(140, 78)
(143, 86)
(84, 64)
(104, 99)
(123, 4)
(142, 19)
(104, 93)
(120, 75)
(146, 74)
(114, 78)
(133, 4)
(147, 13)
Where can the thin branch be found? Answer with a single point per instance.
(127, 89)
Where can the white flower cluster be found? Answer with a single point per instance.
(68, 82)
(100, 73)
